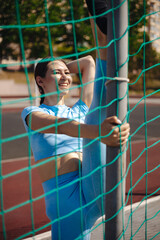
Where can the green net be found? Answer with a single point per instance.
(35, 29)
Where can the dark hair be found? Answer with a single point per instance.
(41, 69)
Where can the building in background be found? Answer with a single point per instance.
(154, 23)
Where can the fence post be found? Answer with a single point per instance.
(117, 70)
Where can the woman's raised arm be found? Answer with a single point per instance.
(87, 69)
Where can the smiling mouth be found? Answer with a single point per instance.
(64, 85)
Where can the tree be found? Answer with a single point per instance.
(143, 55)
(136, 12)
(72, 36)
(10, 35)
(7, 36)
(138, 39)
(34, 14)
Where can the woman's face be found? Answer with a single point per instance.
(57, 78)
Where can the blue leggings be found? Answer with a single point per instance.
(74, 201)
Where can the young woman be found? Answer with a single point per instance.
(56, 132)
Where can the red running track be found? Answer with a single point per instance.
(18, 221)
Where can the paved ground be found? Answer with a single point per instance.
(139, 223)
(138, 219)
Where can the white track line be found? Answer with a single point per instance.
(16, 159)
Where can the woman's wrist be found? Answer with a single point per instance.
(83, 63)
(89, 131)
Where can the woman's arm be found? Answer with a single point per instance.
(39, 120)
(87, 69)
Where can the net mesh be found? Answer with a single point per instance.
(46, 26)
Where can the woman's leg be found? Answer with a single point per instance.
(98, 7)
(94, 152)
(65, 207)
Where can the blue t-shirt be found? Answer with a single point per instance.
(46, 145)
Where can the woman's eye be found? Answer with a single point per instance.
(55, 72)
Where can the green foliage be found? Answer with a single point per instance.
(30, 12)
(142, 54)
(136, 12)
(67, 36)
(33, 14)
(63, 35)
(7, 14)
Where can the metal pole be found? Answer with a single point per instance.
(116, 89)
